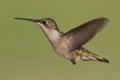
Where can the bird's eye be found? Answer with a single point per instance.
(43, 22)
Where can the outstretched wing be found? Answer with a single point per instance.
(81, 34)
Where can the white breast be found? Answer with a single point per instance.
(54, 36)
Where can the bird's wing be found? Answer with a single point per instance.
(83, 33)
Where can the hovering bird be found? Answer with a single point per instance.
(69, 44)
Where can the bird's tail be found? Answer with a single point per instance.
(87, 55)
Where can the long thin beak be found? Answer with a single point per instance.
(27, 19)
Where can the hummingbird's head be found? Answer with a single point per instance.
(48, 23)
(44, 22)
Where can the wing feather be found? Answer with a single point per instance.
(83, 33)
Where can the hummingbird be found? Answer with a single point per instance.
(69, 45)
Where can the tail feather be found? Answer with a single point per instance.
(103, 60)
(87, 55)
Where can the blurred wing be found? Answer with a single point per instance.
(81, 34)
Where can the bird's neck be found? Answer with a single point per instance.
(52, 35)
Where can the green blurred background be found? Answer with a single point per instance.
(25, 53)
